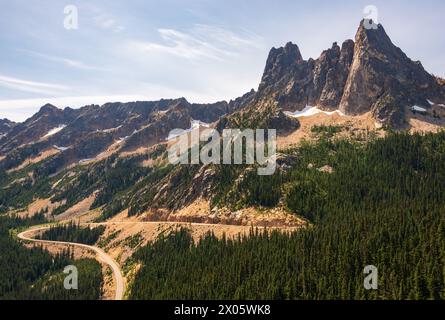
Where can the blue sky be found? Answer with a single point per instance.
(200, 49)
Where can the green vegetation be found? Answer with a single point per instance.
(19, 155)
(159, 151)
(141, 196)
(383, 205)
(20, 191)
(326, 131)
(133, 241)
(16, 222)
(35, 274)
(50, 286)
(112, 177)
(73, 232)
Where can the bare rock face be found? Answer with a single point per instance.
(368, 75)
(287, 77)
(295, 83)
(6, 125)
(37, 126)
(336, 77)
(90, 130)
(323, 65)
(241, 102)
(384, 80)
(279, 63)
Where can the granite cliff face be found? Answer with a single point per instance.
(333, 72)
(384, 80)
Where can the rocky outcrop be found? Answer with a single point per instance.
(287, 78)
(336, 77)
(369, 74)
(384, 80)
(242, 102)
(6, 126)
(279, 63)
(48, 117)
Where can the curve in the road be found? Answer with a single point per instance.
(101, 255)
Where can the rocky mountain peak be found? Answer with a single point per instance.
(372, 33)
(279, 61)
(347, 48)
(335, 46)
(383, 80)
(370, 74)
(48, 108)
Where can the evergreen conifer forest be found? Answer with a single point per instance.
(383, 205)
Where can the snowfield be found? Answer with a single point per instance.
(86, 160)
(110, 129)
(60, 148)
(418, 109)
(120, 140)
(195, 124)
(310, 111)
(54, 130)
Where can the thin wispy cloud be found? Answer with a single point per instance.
(72, 63)
(107, 22)
(31, 86)
(205, 51)
(228, 38)
(202, 41)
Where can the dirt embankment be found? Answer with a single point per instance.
(122, 238)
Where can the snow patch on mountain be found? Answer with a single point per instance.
(110, 129)
(60, 148)
(418, 109)
(120, 140)
(55, 130)
(310, 111)
(86, 160)
(194, 124)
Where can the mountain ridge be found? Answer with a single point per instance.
(332, 81)
(116, 153)
(367, 74)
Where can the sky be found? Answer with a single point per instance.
(203, 50)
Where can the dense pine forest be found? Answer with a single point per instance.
(72, 232)
(382, 204)
(35, 274)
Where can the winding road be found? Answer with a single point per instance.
(101, 256)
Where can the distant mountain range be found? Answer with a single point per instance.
(366, 75)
